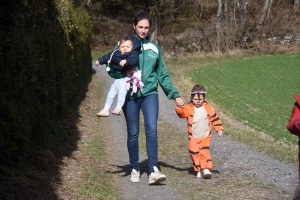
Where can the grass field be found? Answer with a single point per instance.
(256, 91)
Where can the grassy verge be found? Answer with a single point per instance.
(85, 174)
(96, 182)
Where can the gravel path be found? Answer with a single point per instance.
(237, 158)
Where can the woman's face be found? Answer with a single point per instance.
(142, 28)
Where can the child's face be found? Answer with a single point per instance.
(126, 46)
(198, 100)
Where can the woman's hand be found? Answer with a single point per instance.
(179, 102)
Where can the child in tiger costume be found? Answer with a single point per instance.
(201, 118)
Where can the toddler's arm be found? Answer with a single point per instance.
(214, 119)
(122, 63)
(220, 133)
(182, 112)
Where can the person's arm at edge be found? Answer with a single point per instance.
(294, 122)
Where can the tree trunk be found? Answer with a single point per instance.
(296, 6)
(218, 26)
(197, 11)
(264, 14)
(226, 10)
(154, 11)
(242, 14)
(172, 6)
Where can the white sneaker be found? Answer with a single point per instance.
(156, 177)
(117, 111)
(199, 174)
(135, 176)
(103, 113)
(206, 174)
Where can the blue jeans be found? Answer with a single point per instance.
(131, 109)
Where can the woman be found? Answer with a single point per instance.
(153, 72)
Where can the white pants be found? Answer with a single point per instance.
(117, 88)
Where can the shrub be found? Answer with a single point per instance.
(44, 58)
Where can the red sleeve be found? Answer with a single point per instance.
(293, 125)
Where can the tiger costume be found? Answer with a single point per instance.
(200, 138)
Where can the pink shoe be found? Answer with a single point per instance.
(117, 111)
(103, 113)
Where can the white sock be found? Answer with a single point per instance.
(119, 105)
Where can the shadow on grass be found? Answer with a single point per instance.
(38, 175)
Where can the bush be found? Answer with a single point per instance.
(44, 59)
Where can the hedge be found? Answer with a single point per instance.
(45, 57)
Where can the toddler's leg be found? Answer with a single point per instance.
(205, 158)
(194, 148)
(121, 95)
(109, 100)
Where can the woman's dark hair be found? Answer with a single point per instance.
(140, 16)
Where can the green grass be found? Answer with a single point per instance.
(256, 91)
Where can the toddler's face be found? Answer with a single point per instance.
(198, 100)
(126, 46)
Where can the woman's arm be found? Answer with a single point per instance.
(165, 81)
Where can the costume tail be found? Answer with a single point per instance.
(141, 85)
(134, 86)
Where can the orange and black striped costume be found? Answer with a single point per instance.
(199, 147)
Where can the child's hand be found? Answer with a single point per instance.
(97, 63)
(220, 133)
(122, 63)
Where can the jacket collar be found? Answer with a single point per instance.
(144, 40)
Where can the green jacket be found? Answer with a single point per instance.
(154, 71)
